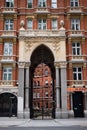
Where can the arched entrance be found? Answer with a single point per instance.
(42, 57)
(8, 105)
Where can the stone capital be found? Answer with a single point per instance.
(56, 64)
(27, 64)
(21, 64)
(63, 64)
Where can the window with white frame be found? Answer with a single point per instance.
(9, 24)
(46, 82)
(38, 95)
(54, 24)
(46, 94)
(29, 3)
(54, 3)
(74, 3)
(9, 3)
(41, 3)
(7, 73)
(42, 24)
(76, 48)
(8, 49)
(30, 24)
(77, 73)
(75, 24)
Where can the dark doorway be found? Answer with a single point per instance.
(78, 104)
(8, 105)
(42, 108)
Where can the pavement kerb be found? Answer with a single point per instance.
(4, 122)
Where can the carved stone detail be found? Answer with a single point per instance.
(21, 64)
(56, 64)
(56, 46)
(62, 64)
(28, 45)
(27, 64)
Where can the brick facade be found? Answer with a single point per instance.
(45, 28)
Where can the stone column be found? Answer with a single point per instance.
(64, 113)
(27, 110)
(20, 90)
(57, 92)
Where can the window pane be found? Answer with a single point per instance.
(9, 76)
(74, 69)
(79, 69)
(75, 77)
(7, 48)
(5, 77)
(30, 24)
(30, 2)
(42, 3)
(79, 77)
(78, 51)
(9, 3)
(54, 24)
(54, 3)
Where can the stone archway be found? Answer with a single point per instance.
(42, 55)
(8, 105)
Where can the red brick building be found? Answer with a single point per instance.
(52, 32)
(42, 89)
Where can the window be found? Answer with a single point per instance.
(74, 3)
(42, 24)
(38, 95)
(8, 48)
(7, 73)
(54, 24)
(9, 3)
(38, 83)
(9, 24)
(46, 94)
(77, 73)
(75, 24)
(46, 72)
(46, 83)
(29, 3)
(54, 3)
(41, 3)
(30, 24)
(76, 49)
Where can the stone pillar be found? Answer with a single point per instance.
(64, 113)
(27, 110)
(20, 90)
(57, 93)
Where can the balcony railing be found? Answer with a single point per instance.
(77, 82)
(77, 58)
(75, 33)
(4, 58)
(7, 33)
(8, 83)
(8, 10)
(78, 9)
(42, 10)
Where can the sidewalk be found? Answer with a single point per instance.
(6, 122)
